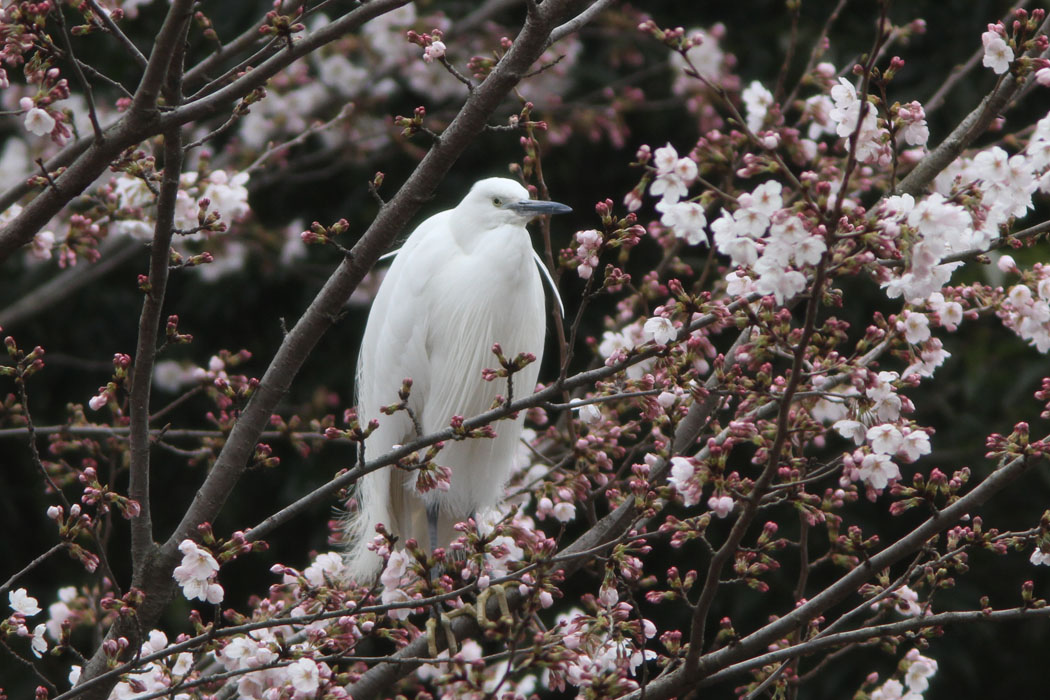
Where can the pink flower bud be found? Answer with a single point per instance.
(97, 402)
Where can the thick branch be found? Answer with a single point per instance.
(142, 545)
(219, 100)
(171, 35)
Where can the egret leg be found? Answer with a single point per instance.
(438, 619)
(432, 526)
(432, 530)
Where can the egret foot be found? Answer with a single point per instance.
(437, 617)
(500, 591)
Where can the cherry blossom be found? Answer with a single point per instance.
(38, 643)
(774, 279)
(997, 54)
(60, 611)
(914, 444)
(685, 219)
(23, 603)
(851, 430)
(659, 330)
(43, 242)
(303, 676)
(885, 438)
(37, 121)
(673, 175)
(197, 572)
(757, 101)
(326, 568)
(682, 471)
(228, 195)
(949, 313)
(564, 512)
(906, 601)
(847, 114)
(434, 51)
(590, 242)
(721, 505)
(916, 327)
(877, 470)
(914, 129)
(920, 670)
(590, 414)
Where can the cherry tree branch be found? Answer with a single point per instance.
(68, 282)
(89, 158)
(867, 634)
(581, 20)
(973, 125)
(597, 539)
(119, 35)
(961, 71)
(146, 348)
(6, 586)
(818, 48)
(89, 95)
(167, 46)
(243, 42)
(676, 681)
(155, 577)
(137, 124)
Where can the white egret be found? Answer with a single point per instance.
(464, 280)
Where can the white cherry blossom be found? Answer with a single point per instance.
(997, 54)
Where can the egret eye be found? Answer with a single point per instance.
(497, 202)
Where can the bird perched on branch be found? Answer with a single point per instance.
(464, 280)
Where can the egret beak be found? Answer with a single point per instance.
(538, 207)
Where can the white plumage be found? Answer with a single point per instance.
(465, 279)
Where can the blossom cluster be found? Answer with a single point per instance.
(196, 574)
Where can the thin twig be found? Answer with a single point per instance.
(959, 72)
(30, 566)
(47, 176)
(818, 47)
(973, 125)
(89, 96)
(222, 129)
(317, 128)
(69, 281)
(119, 35)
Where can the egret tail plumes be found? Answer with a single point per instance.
(465, 279)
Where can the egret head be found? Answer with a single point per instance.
(498, 201)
